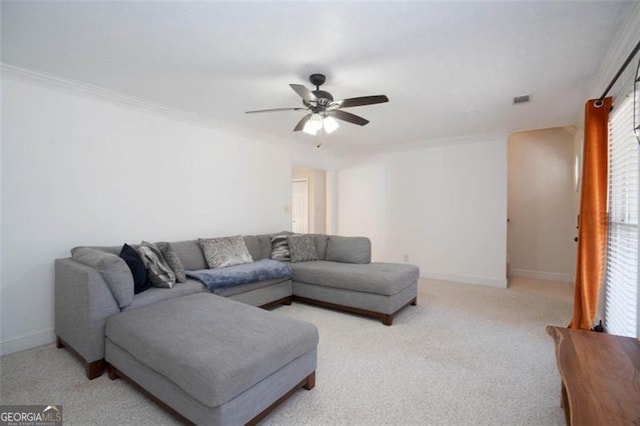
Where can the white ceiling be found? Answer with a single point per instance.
(449, 68)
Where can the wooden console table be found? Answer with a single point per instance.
(600, 377)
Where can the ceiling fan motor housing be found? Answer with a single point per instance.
(323, 97)
(317, 79)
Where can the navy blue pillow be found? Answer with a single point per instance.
(141, 281)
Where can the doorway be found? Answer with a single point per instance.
(542, 204)
(308, 200)
(300, 206)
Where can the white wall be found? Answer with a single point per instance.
(444, 207)
(78, 169)
(362, 204)
(542, 205)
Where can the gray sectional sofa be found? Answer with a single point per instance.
(97, 313)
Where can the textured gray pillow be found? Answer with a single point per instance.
(302, 248)
(113, 270)
(225, 251)
(280, 247)
(173, 261)
(159, 272)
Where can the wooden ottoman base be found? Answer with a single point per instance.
(307, 383)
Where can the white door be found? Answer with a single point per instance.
(300, 206)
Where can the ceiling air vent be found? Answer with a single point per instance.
(521, 99)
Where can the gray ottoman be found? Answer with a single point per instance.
(212, 360)
(375, 289)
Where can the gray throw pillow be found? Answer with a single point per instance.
(159, 272)
(280, 247)
(173, 261)
(225, 251)
(302, 248)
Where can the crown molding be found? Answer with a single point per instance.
(80, 88)
(90, 91)
(381, 150)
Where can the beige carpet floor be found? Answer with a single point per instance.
(465, 355)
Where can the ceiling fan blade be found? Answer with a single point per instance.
(302, 122)
(347, 116)
(362, 100)
(303, 92)
(275, 109)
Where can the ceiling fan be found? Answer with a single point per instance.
(324, 109)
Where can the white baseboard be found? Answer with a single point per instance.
(541, 275)
(492, 282)
(26, 342)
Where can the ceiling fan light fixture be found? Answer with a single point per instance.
(323, 109)
(313, 125)
(330, 124)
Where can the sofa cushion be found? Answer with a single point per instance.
(280, 247)
(190, 254)
(302, 248)
(211, 347)
(141, 280)
(156, 294)
(245, 288)
(320, 241)
(378, 278)
(252, 244)
(159, 272)
(259, 246)
(264, 241)
(348, 249)
(225, 251)
(113, 270)
(173, 260)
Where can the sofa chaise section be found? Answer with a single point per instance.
(212, 360)
(379, 290)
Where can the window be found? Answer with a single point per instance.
(621, 277)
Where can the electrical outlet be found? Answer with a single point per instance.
(405, 257)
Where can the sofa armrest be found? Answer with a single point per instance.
(348, 249)
(112, 268)
(83, 304)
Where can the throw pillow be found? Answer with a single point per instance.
(302, 248)
(159, 272)
(141, 280)
(280, 247)
(173, 261)
(225, 251)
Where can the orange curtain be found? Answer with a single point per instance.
(592, 226)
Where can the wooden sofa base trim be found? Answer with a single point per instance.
(307, 383)
(287, 300)
(387, 319)
(93, 369)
